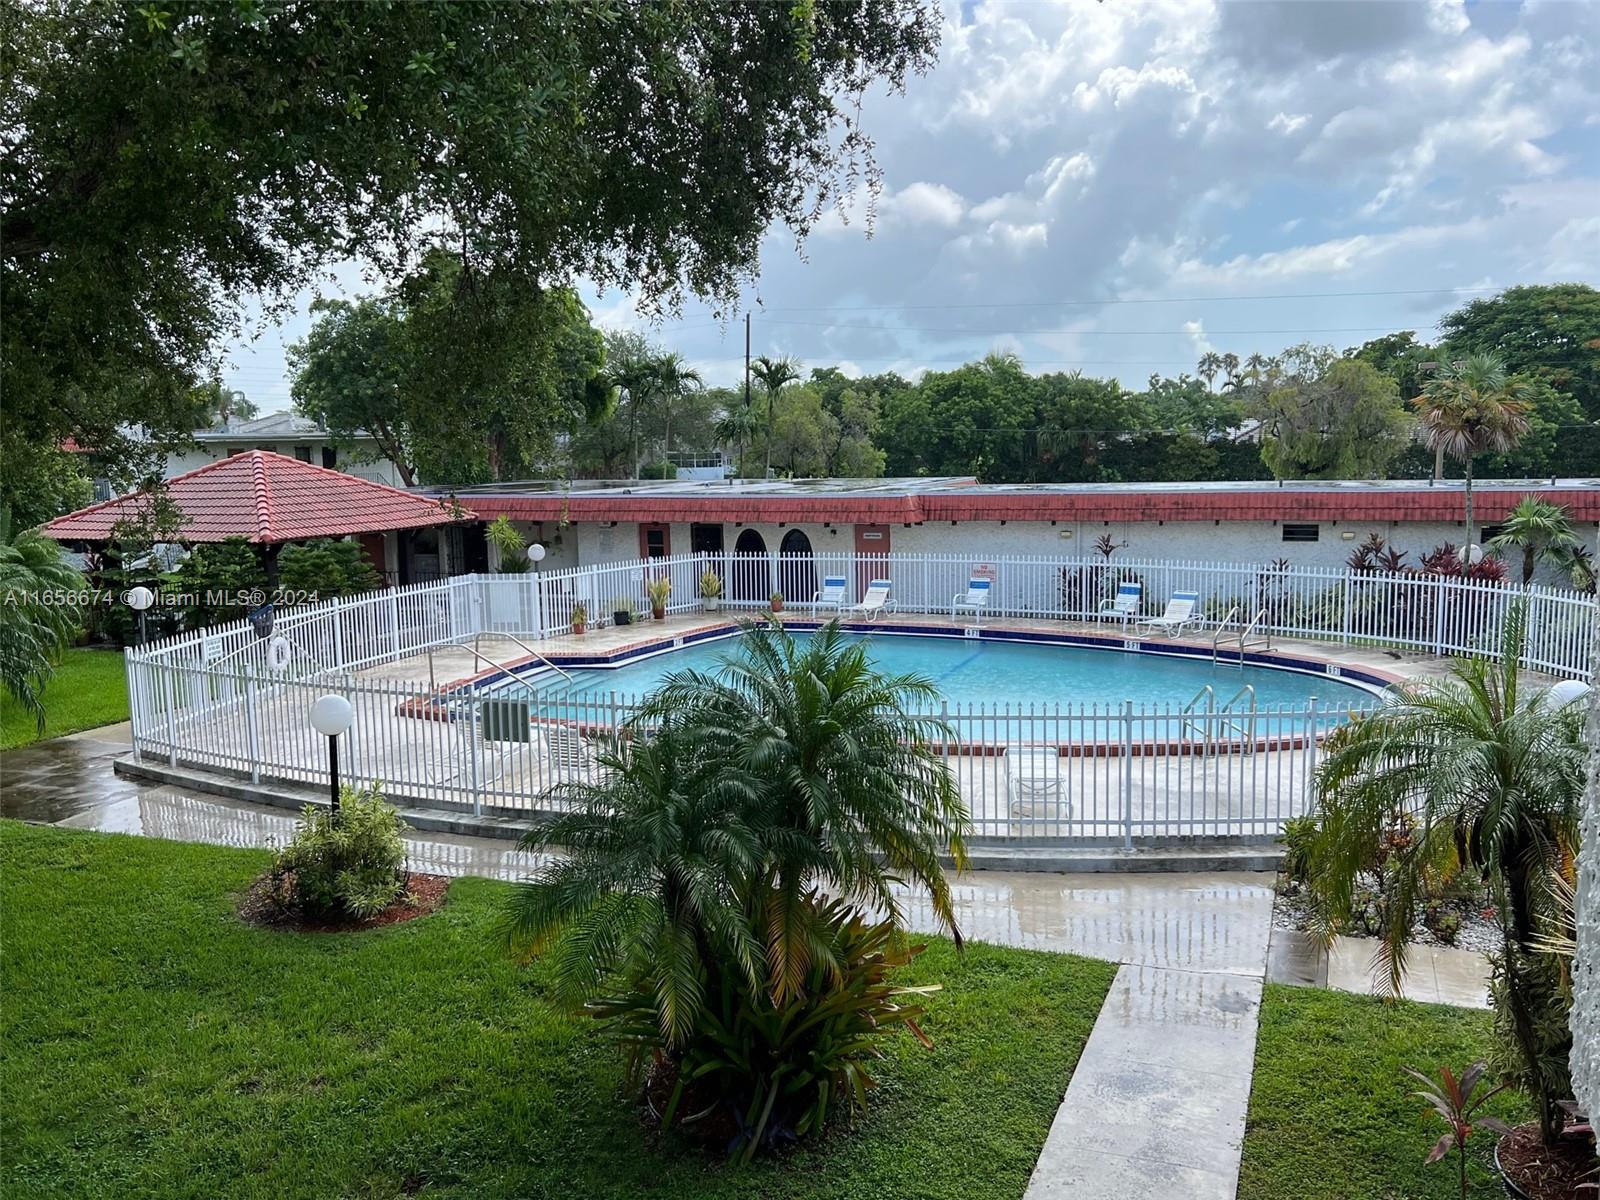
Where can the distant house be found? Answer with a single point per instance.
(292, 436)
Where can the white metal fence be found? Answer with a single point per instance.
(226, 700)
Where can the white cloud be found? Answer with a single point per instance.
(1286, 124)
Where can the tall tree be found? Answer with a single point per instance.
(1210, 364)
(1542, 331)
(1537, 528)
(165, 162)
(33, 629)
(670, 378)
(1469, 407)
(773, 374)
(1332, 419)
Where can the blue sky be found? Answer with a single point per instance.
(1119, 187)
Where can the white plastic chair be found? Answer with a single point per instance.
(831, 595)
(1034, 778)
(974, 600)
(1125, 605)
(875, 603)
(570, 757)
(1179, 616)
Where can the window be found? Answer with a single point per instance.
(1488, 534)
(655, 543)
(1301, 533)
(330, 457)
(303, 453)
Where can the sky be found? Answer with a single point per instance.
(1119, 187)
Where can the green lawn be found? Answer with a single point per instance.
(155, 1046)
(88, 689)
(1331, 1114)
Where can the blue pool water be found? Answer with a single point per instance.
(987, 673)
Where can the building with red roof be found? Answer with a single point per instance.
(270, 499)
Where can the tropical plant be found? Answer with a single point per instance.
(580, 615)
(670, 378)
(1453, 1102)
(738, 425)
(37, 619)
(659, 590)
(1209, 367)
(513, 550)
(1539, 529)
(1489, 778)
(773, 374)
(714, 877)
(710, 585)
(348, 862)
(1470, 407)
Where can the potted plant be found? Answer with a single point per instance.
(622, 611)
(580, 618)
(776, 600)
(711, 591)
(658, 589)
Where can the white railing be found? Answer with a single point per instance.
(226, 700)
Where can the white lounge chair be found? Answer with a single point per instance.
(571, 759)
(875, 603)
(1034, 778)
(1179, 616)
(1125, 606)
(831, 595)
(974, 600)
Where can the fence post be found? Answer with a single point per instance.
(475, 718)
(1349, 605)
(1438, 616)
(172, 723)
(1309, 784)
(394, 622)
(1127, 774)
(252, 731)
(338, 633)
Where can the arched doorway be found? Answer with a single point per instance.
(751, 568)
(797, 569)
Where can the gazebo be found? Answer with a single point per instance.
(271, 499)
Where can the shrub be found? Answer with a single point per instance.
(658, 470)
(503, 536)
(1299, 835)
(778, 1068)
(349, 863)
(328, 568)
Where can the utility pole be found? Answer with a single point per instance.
(739, 465)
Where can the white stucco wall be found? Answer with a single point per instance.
(381, 471)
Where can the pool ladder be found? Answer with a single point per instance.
(1230, 717)
(1241, 635)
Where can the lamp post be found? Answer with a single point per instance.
(330, 716)
(139, 599)
(536, 553)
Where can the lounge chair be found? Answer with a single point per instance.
(571, 760)
(831, 595)
(1179, 616)
(874, 604)
(974, 600)
(1125, 606)
(1034, 778)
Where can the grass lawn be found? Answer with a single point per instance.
(88, 689)
(155, 1046)
(1331, 1114)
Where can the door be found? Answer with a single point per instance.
(797, 568)
(705, 539)
(751, 578)
(872, 555)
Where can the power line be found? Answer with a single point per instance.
(1131, 300)
(1081, 332)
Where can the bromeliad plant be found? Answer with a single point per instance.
(1453, 1102)
(711, 902)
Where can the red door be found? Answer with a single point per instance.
(872, 555)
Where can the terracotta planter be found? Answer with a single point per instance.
(578, 627)
(659, 614)
(777, 606)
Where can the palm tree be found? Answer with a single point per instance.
(33, 631)
(1230, 368)
(1255, 368)
(853, 790)
(736, 427)
(773, 374)
(1474, 776)
(1539, 529)
(632, 377)
(1210, 364)
(671, 377)
(1470, 407)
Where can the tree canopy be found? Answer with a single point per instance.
(167, 163)
(1548, 332)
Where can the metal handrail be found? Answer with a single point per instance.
(511, 637)
(1248, 727)
(1221, 631)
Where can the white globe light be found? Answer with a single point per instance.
(1474, 554)
(536, 553)
(1568, 691)
(332, 715)
(140, 598)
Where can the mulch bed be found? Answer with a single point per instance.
(259, 906)
(1546, 1172)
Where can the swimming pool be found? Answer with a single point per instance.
(987, 672)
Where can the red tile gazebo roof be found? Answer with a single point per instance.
(267, 498)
